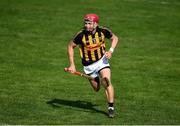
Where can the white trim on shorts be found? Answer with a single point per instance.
(94, 68)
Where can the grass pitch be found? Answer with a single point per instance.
(145, 66)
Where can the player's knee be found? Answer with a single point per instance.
(96, 89)
(106, 82)
(95, 85)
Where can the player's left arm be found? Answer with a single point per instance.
(114, 42)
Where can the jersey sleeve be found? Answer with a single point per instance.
(78, 38)
(107, 32)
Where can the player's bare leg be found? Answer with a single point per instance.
(109, 90)
(95, 84)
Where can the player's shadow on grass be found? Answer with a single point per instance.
(75, 104)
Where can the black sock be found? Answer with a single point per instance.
(111, 104)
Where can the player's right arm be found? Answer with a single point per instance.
(70, 51)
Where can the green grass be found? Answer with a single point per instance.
(145, 66)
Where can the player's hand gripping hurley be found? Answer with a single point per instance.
(79, 74)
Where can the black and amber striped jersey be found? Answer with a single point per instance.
(92, 46)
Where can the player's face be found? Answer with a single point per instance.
(89, 25)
